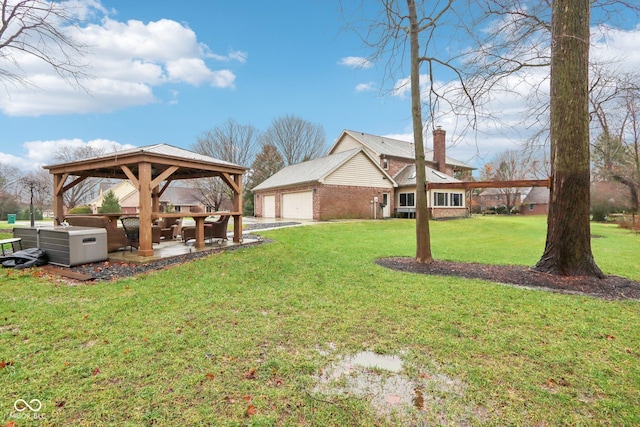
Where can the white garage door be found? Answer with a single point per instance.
(269, 206)
(297, 205)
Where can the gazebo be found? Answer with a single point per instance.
(152, 169)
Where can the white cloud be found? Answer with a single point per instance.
(617, 45)
(365, 87)
(126, 61)
(355, 62)
(42, 153)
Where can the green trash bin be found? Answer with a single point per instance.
(11, 218)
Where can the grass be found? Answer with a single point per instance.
(238, 338)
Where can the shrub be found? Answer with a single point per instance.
(84, 209)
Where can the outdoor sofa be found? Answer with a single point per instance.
(116, 237)
(212, 229)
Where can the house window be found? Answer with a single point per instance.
(407, 199)
(440, 199)
(385, 164)
(456, 199)
(209, 208)
(176, 209)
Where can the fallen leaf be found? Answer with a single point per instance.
(251, 411)
(86, 316)
(10, 424)
(96, 371)
(418, 399)
(611, 337)
(229, 399)
(210, 375)
(247, 397)
(251, 375)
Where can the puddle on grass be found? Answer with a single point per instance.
(384, 382)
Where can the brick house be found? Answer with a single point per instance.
(175, 199)
(363, 176)
(536, 202)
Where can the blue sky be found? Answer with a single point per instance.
(167, 71)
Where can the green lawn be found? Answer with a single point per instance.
(241, 337)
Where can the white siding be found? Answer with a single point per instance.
(345, 144)
(269, 206)
(359, 172)
(297, 205)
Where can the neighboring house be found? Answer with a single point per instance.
(123, 190)
(495, 197)
(174, 199)
(536, 202)
(363, 176)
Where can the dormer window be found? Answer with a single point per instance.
(385, 163)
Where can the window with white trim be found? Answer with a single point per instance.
(456, 199)
(440, 199)
(407, 199)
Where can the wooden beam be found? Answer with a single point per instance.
(164, 187)
(145, 245)
(73, 183)
(164, 175)
(231, 183)
(58, 183)
(467, 185)
(132, 177)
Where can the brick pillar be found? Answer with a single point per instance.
(439, 149)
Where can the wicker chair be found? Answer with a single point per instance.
(131, 227)
(170, 227)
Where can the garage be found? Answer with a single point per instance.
(297, 205)
(269, 206)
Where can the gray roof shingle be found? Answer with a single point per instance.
(407, 176)
(397, 148)
(310, 171)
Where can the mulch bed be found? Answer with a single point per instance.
(108, 270)
(611, 287)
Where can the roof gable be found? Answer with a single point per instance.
(407, 176)
(315, 170)
(380, 146)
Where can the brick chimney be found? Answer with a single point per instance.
(439, 149)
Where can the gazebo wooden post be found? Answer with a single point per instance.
(144, 179)
(58, 193)
(237, 207)
(155, 199)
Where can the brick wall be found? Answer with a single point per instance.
(447, 212)
(344, 202)
(538, 209)
(396, 165)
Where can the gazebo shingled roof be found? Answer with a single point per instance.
(148, 168)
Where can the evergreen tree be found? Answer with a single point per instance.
(110, 203)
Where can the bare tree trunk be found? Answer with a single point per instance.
(423, 238)
(568, 246)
